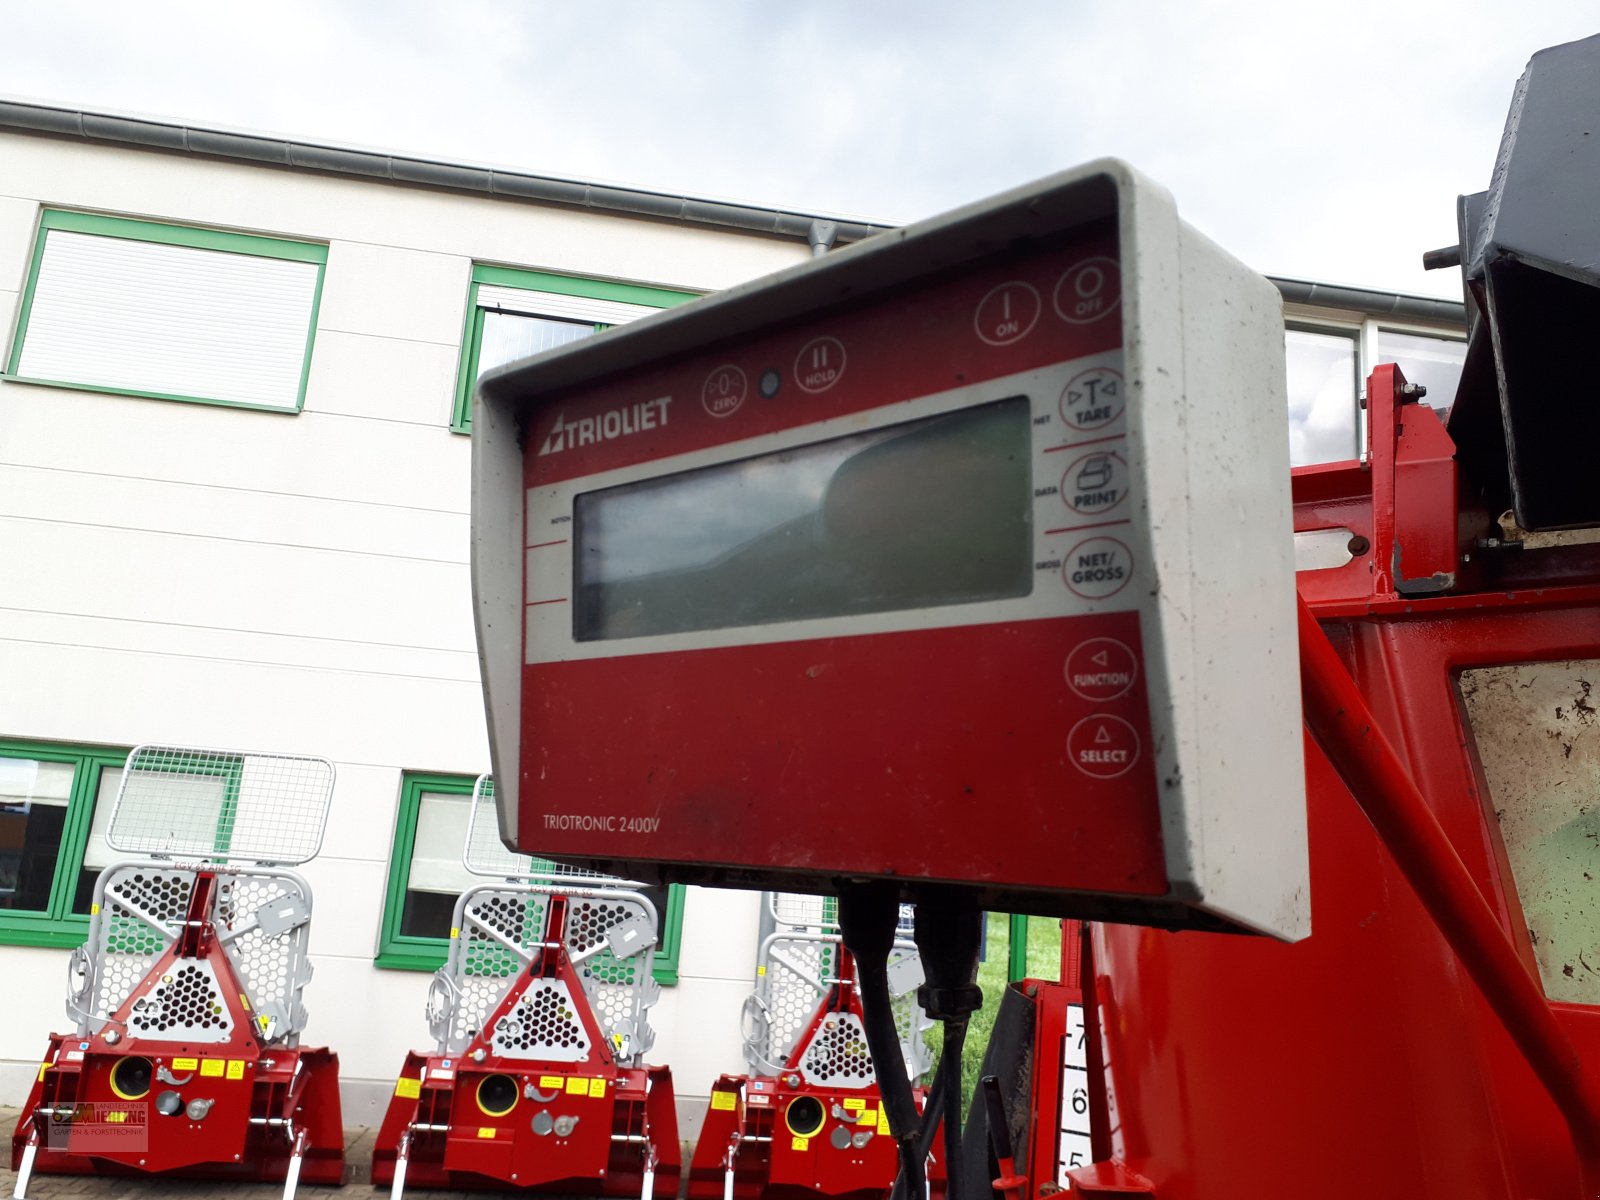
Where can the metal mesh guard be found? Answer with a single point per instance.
(221, 805)
(485, 854)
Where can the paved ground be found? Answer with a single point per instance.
(358, 1159)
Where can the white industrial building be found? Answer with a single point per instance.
(233, 512)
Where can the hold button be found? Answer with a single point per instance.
(1103, 746)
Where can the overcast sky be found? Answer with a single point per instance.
(1320, 140)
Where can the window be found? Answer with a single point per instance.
(1322, 395)
(1533, 725)
(142, 309)
(426, 876)
(1434, 362)
(512, 314)
(54, 803)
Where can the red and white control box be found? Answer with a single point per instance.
(961, 554)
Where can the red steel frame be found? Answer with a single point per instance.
(270, 1104)
(625, 1130)
(1406, 1049)
(746, 1130)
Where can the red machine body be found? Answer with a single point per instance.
(128, 1100)
(1399, 1052)
(497, 1114)
(786, 1136)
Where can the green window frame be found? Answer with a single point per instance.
(56, 925)
(192, 237)
(409, 952)
(553, 287)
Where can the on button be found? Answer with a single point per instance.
(1103, 746)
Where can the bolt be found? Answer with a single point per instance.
(1358, 545)
(1412, 392)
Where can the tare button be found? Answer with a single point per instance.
(1092, 399)
(1103, 746)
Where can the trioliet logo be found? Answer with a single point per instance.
(613, 423)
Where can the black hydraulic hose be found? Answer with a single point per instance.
(868, 916)
(932, 1114)
(955, 1036)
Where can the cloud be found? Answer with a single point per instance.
(1326, 141)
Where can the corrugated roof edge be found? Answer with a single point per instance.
(54, 121)
(27, 117)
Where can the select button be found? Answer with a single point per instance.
(1103, 746)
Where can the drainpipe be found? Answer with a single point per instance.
(822, 234)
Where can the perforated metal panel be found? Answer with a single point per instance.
(221, 805)
(798, 964)
(185, 1005)
(543, 1025)
(838, 1054)
(140, 909)
(501, 929)
(261, 917)
(272, 963)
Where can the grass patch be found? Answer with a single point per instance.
(1043, 962)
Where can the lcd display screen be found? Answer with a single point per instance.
(931, 512)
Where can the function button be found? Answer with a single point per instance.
(1101, 669)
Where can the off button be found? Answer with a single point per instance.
(1103, 746)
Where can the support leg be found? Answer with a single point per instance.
(291, 1179)
(401, 1154)
(727, 1176)
(29, 1153)
(648, 1191)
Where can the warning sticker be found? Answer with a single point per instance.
(723, 1101)
(408, 1089)
(212, 1067)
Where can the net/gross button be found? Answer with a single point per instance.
(1103, 746)
(1101, 669)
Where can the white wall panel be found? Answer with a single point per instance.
(369, 1017)
(361, 821)
(67, 497)
(83, 694)
(395, 293)
(209, 582)
(243, 647)
(311, 454)
(32, 1013)
(347, 904)
(18, 219)
(721, 929)
(363, 375)
(314, 206)
(697, 1032)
